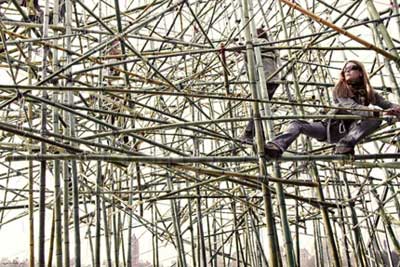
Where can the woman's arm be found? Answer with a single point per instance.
(389, 107)
(353, 107)
(380, 101)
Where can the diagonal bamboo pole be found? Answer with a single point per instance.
(341, 31)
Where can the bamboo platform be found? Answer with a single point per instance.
(120, 134)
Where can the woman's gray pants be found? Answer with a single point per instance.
(249, 132)
(318, 130)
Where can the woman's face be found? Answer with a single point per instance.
(352, 72)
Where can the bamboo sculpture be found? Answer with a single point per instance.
(121, 122)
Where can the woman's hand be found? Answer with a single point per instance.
(393, 111)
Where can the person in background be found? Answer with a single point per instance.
(115, 51)
(353, 93)
(270, 60)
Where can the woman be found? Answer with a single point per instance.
(354, 93)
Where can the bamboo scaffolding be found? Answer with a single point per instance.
(144, 144)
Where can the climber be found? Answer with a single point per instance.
(354, 94)
(270, 60)
(114, 51)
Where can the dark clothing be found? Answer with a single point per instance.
(250, 128)
(270, 61)
(318, 130)
(334, 126)
(346, 133)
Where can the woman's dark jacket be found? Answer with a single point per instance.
(352, 105)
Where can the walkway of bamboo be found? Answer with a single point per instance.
(122, 118)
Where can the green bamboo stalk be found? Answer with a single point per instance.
(356, 229)
(99, 184)
(154, 237)
(380, 27)
(66, 198)
(57, 170)
(30, 176)
(290, 259)
(106, 235)
(340, 30)
(43, 115)
(150, 109)
(71, 132)
(181, 255)
(314, 172)
(271, 233)
(52, 237)
(177, 160)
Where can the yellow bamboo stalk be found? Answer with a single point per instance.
(340, 30)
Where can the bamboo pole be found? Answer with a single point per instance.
(99, 179)
(71, 132)
(66, 219)
(386, 37)
(290, 258)
(341, 31)
(172, 160)
(30, 177)
(57, 163)
(273, 246)
(43, 167)
(176, 110)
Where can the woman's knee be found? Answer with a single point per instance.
(371, 124)
(297, 124)
(376, 123)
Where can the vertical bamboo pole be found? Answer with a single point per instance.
(236, 234)
(30, 173)
(356, 229)
(201, 246)
(155, 247)
(198, 253)
(66, 198)
(324, 212)
(130, 184)
(290, 258)
(273, 246)
(106, 233)
(99, 184)
(177, 227)
(88, 234)
(43, 167)
(114, 218)
(57, 167)
(98, 216)
(214, 248)
(192, 232)
(344, 225)
(71, 120)
(381, 29)
(51, 241)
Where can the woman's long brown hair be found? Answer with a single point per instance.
(342, 89)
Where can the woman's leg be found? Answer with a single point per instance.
(358, 130)
(271, 88)
(249, 133)
(283, 141)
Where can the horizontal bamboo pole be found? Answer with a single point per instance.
(157, 91)
(369, 165)
(185, 124)
(245, 176)
(174, 160)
